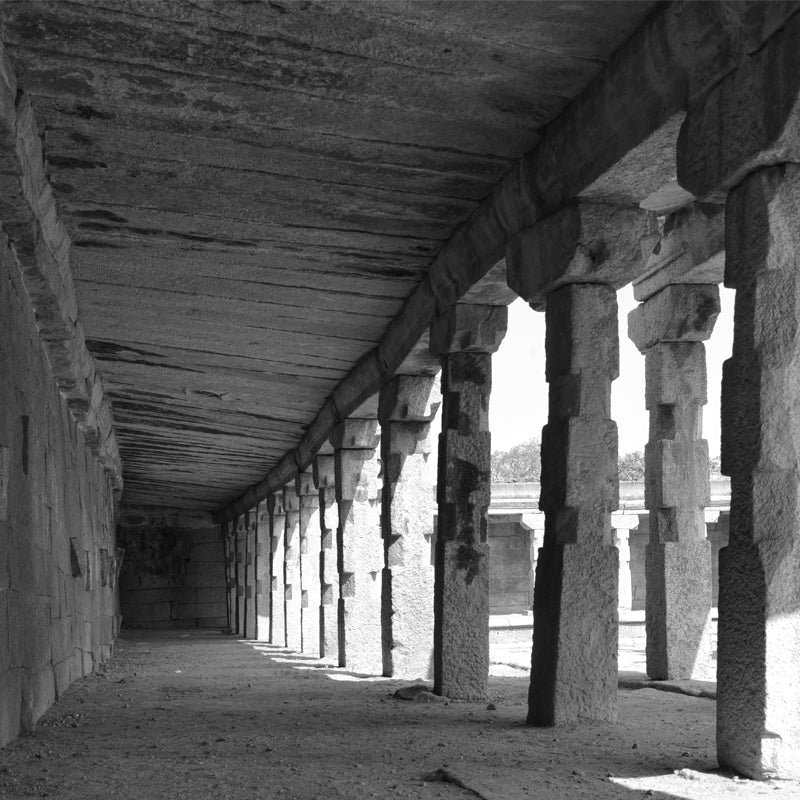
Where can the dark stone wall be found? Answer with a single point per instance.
(173, 572)
(57, 562)
(510, 567)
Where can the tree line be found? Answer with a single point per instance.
(522, 464)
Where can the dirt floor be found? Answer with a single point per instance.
(190, 715)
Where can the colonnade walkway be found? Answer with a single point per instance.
(187, 714)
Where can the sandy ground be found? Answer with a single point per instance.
(191, 715)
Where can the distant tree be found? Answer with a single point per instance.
(714, 468)
(519, 464)
(631, 466)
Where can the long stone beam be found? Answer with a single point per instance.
(681, 52)
(40, 245)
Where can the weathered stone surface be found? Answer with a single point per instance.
(758, 729)
(574, 673)
(473, 328)
(328, 574)
(291, 570)
(56, 624)
(461, 558)
(251, 593)
(277, 588)
(359, 555)
(669, 327)
(690, 250)
(583, 243)
(310, 555)
(678, 313)
(409, 399)
(42, 251)
(408, 405)
(263, 579)
(751, 119)
(356, 434)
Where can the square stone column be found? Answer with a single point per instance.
(758, 683)
(309, 561)
(408, 404)
(230, 573)
(359, 546)
(575, 635)
(241, 574)
(250, 594)
(465, 338)
(325, 481)
(277, 592)
(263, 594)
(291, 570)
(669, 328)
(570, 264)
(622, 525)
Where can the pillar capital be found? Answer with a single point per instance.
(678, 313)
(582, 243)
(409, 398)
(356, 434)
(690, 249)
(304, 483)
(468, 328)
(324, 472)
(275, 503)
(751, 119)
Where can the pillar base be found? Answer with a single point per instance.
(461, 635)
(678, 606)
(575, 635)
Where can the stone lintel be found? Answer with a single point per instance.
(751, 119)
(356, 434)
(583, 243)
(691, 249)
(678, 313)
(324, 472)
(469, 328)
(409, 398)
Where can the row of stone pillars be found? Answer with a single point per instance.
(341, 563)
(366, 565)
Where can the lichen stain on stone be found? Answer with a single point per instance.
(468, 560)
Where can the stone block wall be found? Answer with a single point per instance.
(510, 566)
(57, 548)
(173, 572)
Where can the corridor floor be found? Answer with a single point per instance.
(185, 714)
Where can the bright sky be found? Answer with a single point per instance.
(518, 409)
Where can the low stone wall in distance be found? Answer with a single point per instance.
(173, 573)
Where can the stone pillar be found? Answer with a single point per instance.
(241, 562)
(407, 407)
(324, 480)
(359, 546)
(263, 595)
(534, 524)
(574, 672)
(309, 561)
(465, 338)
(277, 599)
(758, 683)
(622, 525)
(230, 573)
(669, 328)
(291, 570)
(250, 595)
